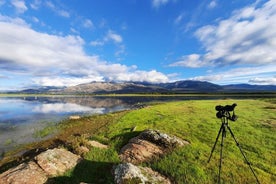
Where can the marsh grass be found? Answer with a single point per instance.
(46, 131)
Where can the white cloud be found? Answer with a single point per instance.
(17, 21)
(179, 18)
(65, 81)
(63, 13)
(50, 4)
(242, 75)
(3, 76)
(264, 80)
(22, 46)
(212, 4)
(140, 76)
(52, 60)
(158, 3)
(2, 2)
(97, 43)
(19, 5)
(35, 4)
(35, 19)
(88, 23)
(191, 61)
(57, 9)
(120, 51)
(247, 37)
(112, 36)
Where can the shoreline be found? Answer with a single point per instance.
(66, 129)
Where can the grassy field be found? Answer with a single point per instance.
(194, 121)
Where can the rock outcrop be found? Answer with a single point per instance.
(149, 145)
(50, 163)
(25, 173)
(57, 161)
(129, 173)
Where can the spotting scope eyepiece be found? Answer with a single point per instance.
(224, 111)
(226, 107)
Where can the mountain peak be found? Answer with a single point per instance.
(182, 86)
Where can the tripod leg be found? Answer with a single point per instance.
(215, 143)
(248, 163)
(221, 148)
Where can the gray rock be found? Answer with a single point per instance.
(57, 161)
(148, 145)
(129, 173)
(162, 139)
(25, 173)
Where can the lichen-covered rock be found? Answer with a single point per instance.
(148, 145)
(129, 173)
(25, 173)
(162, 139)
(57, 161)
(137, 151)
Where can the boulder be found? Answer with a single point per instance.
(138, 151)
(148, 145)
(25, 173)
(129, 173)
(57, 161)
(162, 139)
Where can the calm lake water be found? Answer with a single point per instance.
(22, 117)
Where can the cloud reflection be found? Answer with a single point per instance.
(66, 108)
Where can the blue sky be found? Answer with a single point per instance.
(65, 43)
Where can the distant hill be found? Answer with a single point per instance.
(112, 87)
(192, 86)
(185, 86)
(248, 87)
(44, 89)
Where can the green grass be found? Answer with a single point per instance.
(196, 122)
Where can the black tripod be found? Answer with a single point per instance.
(224, 115)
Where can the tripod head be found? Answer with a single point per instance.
(224, 111)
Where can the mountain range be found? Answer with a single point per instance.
(185, 86)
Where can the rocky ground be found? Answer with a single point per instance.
(148, 145)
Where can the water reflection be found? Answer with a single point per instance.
(66, 108)
(21, 117)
